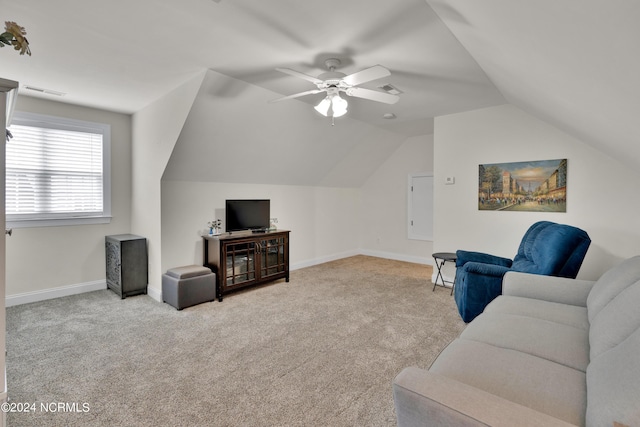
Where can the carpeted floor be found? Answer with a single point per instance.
(320, 350)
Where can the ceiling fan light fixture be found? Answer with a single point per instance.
(339, 106)
(323, 106)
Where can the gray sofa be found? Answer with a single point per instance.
(548, 352)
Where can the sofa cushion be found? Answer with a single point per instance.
(613, 309)
(570, 315)
(611, 284)
(556, 342)
(616, 322)
(531, 381)
(613, 384)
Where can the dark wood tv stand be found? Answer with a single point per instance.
(244, 259)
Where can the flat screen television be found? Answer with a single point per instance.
(247, 215)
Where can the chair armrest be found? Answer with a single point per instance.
(547, 288)
(463, 257)
(425, 398)
(485, 269)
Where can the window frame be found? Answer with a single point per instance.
(63, 123)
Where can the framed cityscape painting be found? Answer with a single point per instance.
(535, 186)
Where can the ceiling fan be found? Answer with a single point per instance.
(333, 82)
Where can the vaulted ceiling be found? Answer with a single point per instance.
(572, 63)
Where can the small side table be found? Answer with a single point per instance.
(441, 258)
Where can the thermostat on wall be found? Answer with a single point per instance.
(450, 180)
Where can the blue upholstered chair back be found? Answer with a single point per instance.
(552, 249)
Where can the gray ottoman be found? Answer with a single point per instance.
(189, 285)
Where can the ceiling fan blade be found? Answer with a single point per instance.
(296, 95)
(373, 95)
(368, 74)
(300, 75)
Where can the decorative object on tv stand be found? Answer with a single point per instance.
(272, 224)
(214, 226)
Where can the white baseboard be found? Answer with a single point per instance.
(316, 261)
(156, 294)
(398, 257)
(63, 291)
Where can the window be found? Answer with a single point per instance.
(57, 172)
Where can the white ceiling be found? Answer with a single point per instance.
(122, 55)
(572, 63)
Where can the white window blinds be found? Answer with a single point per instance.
(54, 169)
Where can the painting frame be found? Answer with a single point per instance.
(526, 186)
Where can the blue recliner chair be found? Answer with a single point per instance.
(547, 248)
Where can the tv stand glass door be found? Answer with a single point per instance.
(240, 262)
(274, 260)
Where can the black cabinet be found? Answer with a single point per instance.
(241, 260)
(126, 264)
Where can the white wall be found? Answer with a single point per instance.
(155, 130)
(44, 258)
(601, 192)
(323, 221)
(383, 228)
(326, 222)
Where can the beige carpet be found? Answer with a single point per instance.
(320, 350)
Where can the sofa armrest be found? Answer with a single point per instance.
(547, 288)
(423, 398)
